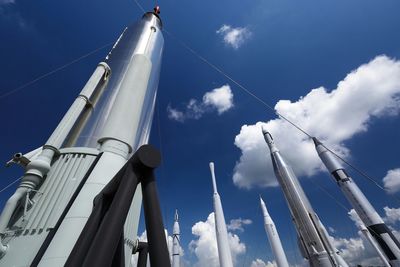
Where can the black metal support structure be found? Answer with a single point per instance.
(101, 242)
(142, 249)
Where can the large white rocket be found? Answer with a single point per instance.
(313, 239)
(273, 237)
(107, 122)
(368, 215)
(176, 242)
(224, 252)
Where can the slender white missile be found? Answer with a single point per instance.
(315, 243)
(176, 241)
(371, 240)
(273, 237)
(368, 215)
(224, 252)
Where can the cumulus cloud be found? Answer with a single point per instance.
(205, 246)
(357, 251)
(220, 99)
(392, 181)
(234, 37)
(261, 263)
(237, 224)
(392, 215)
(370, 91)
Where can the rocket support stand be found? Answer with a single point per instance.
(100, 241)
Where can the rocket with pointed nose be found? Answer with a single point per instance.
(176, 248)
(224, 252)
(313, 240)
(368, 215)
(273, 237)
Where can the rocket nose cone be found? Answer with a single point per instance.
(316, 141)
(264, 129)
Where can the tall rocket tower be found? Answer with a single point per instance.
(368, 215)
(313, 240)
(176, 242)
(273, 237)
(224, 252)
(107, 122)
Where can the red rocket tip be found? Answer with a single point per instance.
(157, 10)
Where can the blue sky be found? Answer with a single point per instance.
(289, 48)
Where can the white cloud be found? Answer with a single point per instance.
(331, 230)
(234, 37)
(237, 224)
(370, 91)
(355, 218)
(220, 99)
(175, 114)
(261, 263)
(392, 215)
(392, 181)
(356, 251)
(205, 246)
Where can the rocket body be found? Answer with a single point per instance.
(224, 252)
(368, 215)
(109, 120)
(371, 240)
(313, 240)
(273, 237)
(176, 248)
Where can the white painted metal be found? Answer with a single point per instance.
(371, 240)
(364, 209)
(316, 244)
(70, 118)
(224, 252)
(126, 127)
(117, 138)
(273, 237)
(39, 167)
(176, 241)
(29, 231)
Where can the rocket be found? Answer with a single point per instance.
(176, 241)
(313, 240)
(273, 237)
(224, 252)
(109, 120)
(368, 215)
(371, 240)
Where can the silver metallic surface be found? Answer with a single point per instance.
(30, 228)
(224, 252)
(316, 244)
(143, 39)
(360, 203)
(273, 238)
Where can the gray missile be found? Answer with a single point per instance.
(368, 215)
(317, 248)
(224, 252)
(273, 237)
(176, 248)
